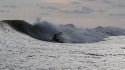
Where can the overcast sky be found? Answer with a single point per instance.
(85, 13)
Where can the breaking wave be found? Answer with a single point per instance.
(46, 31)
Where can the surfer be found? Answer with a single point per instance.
(57, 38)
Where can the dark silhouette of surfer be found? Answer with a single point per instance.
(57, 38)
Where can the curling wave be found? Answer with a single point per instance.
(63, 33)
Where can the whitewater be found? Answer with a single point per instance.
(46, 31)
(19, 51)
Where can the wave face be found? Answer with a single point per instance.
(69, 33)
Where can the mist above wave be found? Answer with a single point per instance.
(46, 31)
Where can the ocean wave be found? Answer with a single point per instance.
(46, 31)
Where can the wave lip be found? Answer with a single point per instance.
(63, 33)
